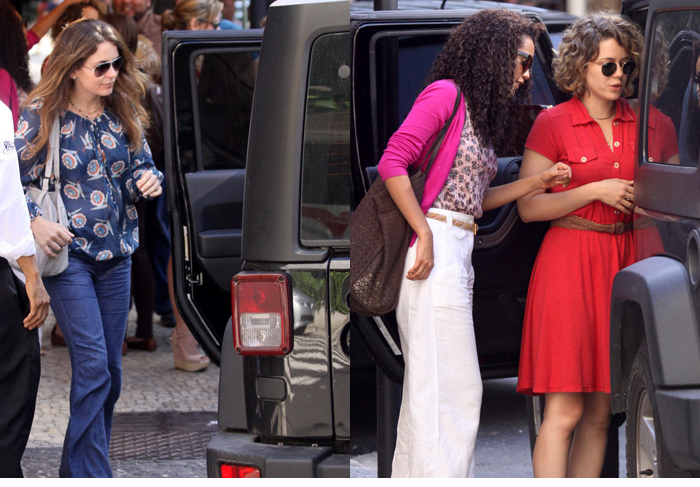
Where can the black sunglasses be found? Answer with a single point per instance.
(527, 62)
(102, 68)
(610, 68)
(696, 78)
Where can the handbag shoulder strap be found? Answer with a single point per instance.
(437, 143)
(53, 165)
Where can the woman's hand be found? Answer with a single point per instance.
(149, 185)
(424, 258)
(559, 173)
(618, 193)
(50, 236)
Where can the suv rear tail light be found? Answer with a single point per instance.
(239, 472)
(262, 313)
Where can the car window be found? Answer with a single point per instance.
(672, 87)
(325, 189)
(225, 83)
(413, 55)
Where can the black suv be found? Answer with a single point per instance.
(300, 124)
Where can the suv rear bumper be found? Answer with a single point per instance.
(274, 461)
(679, 414)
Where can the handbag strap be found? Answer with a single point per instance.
(437, 143)
(53, 165)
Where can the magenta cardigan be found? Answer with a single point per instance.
(8, 94)
(410, 143)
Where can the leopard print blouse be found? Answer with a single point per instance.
(473, 170)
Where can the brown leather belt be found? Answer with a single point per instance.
(472, 227)
(574, 222)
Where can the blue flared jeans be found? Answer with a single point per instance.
(91, 302)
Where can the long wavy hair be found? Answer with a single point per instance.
(77, 42)
(13, 47)
(179, 18)
(480, 56)
(579, 46)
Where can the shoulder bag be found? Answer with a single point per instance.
(51, 204)
(379, 239)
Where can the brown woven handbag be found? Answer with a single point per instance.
(379, 239)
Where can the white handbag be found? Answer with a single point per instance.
(51, 204)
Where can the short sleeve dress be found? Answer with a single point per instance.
(565, 346)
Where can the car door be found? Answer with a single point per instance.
(385, 83)
(208, 83)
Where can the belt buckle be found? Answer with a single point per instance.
(476, 227)
(619, 228)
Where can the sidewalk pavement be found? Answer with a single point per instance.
(178, 405)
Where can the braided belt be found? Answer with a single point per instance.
(573, 222)
(472, 227)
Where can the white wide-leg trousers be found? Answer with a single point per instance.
(442, 387)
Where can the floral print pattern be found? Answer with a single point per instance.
(99, 171)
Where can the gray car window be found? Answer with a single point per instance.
(325, 189)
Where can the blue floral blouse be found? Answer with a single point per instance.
(99, 172)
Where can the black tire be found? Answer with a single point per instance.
(646, 451)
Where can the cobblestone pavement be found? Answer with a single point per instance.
(151, 384)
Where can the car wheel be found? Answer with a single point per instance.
(646, 452)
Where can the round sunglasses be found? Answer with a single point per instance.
(610, 68)
(102, 68)
(526, 62)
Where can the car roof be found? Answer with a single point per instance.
(547, 16)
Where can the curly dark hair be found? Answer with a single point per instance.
(13, 53)
(480, 56)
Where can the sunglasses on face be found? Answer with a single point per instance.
(696, 78)
(102, 68)
(610, 68)
(527, 61)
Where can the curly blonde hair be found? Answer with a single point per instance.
(579, 46)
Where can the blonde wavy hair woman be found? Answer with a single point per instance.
(193, 15)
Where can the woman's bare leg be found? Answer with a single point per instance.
(562, 414)
(591, 437)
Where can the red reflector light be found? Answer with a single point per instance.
(262, 313)
(239, 472)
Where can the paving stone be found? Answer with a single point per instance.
(150, 384)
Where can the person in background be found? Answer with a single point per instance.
(92, 86)
(565, 352)
(189, 15)
(87, 9)
(147, 21)
(24, 309)
(14, 62)
(45, 23)
(142, 280)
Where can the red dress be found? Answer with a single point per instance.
(566, 334)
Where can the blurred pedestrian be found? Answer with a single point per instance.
(565, 351)
(14, 62)
(92, 88)
(147, 21)
(189, 15)
(23, 311)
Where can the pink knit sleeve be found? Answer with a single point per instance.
(430, 111)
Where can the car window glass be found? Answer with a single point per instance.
(325, 189)
(673, 132)
(411, 56)
(225, 83)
